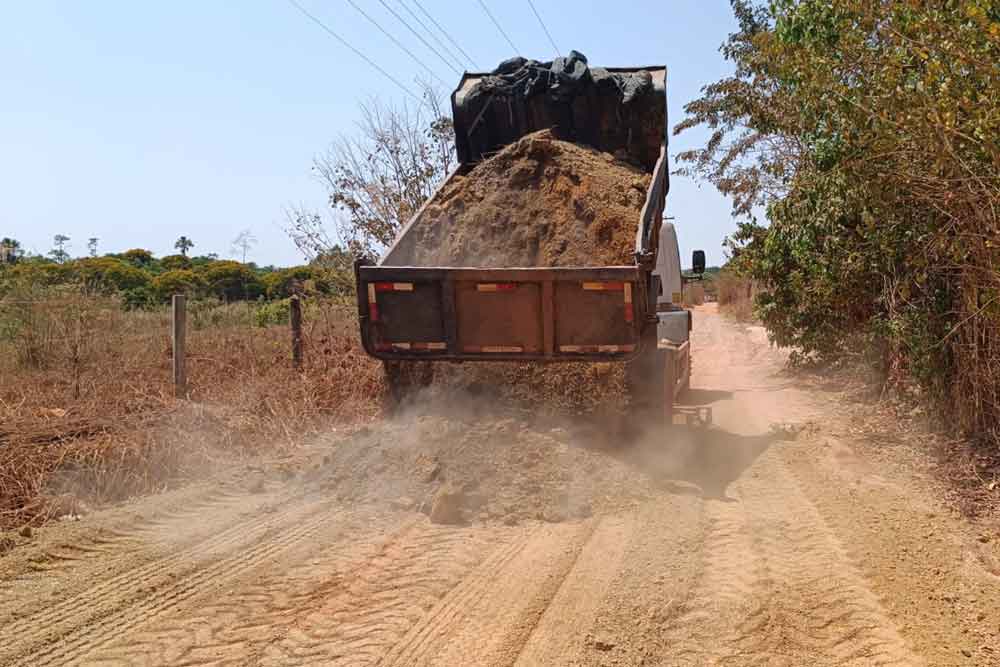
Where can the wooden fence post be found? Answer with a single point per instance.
(179, 330)
(295, 318)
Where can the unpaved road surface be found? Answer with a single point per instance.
(740, 545)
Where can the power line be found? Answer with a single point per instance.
(368, 60)
(444, 32)
(497, 24)
(444, 47)
(542, 23)
(396, 42)
(418, 36)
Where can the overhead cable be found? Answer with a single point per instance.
(361, 55)
(396, 41)
(445, 33)
(419, 36)
(542, 23)
(497, 24)
(437, 40)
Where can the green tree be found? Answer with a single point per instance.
(868, 132)
(108, 274)
(231, 281)
(92, 245)
(175, 262)
(138, 257)
(178, 281)
(10, 250)
(183, 244)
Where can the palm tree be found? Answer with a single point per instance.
(184, 244)
(58, 253)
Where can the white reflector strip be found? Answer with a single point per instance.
(415, 347)
(628, 292)
(599, 349)
(371, 292)
(494, 349)
(428, 346)
(495, 287)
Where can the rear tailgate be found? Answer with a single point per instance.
(561, 314)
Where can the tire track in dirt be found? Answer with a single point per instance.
(558, 636)
(120, 604)
(84, 554)
(489, 617)
(383, 598)
(816, 603)
(777, 588)
(729, 575)
(240, 626)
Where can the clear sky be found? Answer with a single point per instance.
(137, 122)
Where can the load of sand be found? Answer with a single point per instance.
(539, 202)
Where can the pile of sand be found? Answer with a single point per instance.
(471, 467)
(539, 202)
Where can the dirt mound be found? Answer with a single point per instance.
(480, 468)
(538, 202)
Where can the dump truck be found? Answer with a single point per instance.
(411, 315)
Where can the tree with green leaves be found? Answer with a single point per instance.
(183, 244)
(10, 250)
(92, 245)
(867, 131)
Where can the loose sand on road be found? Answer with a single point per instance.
(744, 544)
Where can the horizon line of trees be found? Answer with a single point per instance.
(143, 280)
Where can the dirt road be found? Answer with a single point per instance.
(742, 545)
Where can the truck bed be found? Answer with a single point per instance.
(585, 313)
(560, 314)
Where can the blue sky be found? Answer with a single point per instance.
(137, 122)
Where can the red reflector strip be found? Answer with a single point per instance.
(410, 347)
(393, 287)
(601, 287)
(495, 287)
(493, 349)
(372, 304)
(596, 349)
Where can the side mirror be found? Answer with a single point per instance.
(698, 262)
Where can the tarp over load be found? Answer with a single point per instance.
(616, 110)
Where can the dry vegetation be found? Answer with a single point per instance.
(735, 295)
(87, 413)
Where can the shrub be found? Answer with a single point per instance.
(108, 275)
(176, 263)
(181, 281)
(272, 312)
(232, 281)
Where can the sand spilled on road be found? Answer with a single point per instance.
(468, 465)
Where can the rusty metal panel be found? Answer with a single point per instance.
(499, 317)
(587, 316)
(412, 315)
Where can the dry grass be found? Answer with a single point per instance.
(87, 413)
(735, 295)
